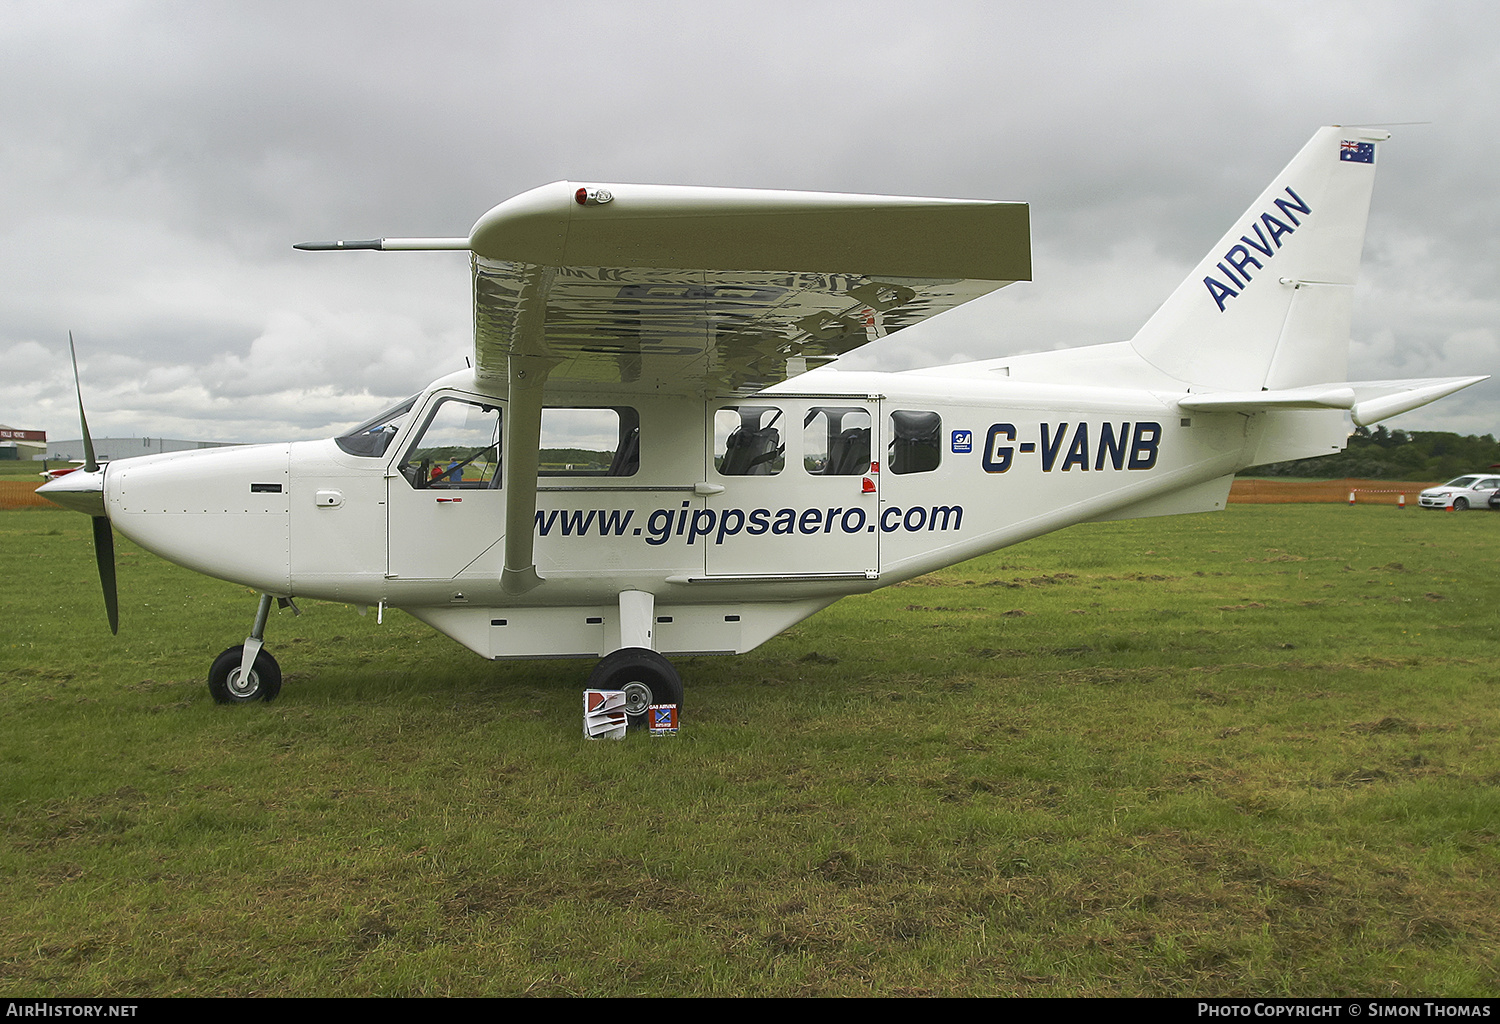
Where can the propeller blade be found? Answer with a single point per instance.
(104, 554)
(104, 536)
(91, 465)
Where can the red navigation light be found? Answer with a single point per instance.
(593, 196)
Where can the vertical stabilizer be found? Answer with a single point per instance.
(1270, 305)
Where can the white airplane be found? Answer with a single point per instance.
(647, 460)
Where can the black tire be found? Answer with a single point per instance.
(1460, 504)
(646, 677)
(224, 678)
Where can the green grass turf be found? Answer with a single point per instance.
(1244, 753)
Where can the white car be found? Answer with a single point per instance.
(1461, 492)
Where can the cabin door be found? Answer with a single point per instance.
(799, 486)
(444, 503)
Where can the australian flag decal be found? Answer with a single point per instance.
(1357, 152)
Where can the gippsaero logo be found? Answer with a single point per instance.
(963, 442)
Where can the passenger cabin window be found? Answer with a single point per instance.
(458, 448)
(590, 442)
(747, 441)
(836, 441)
(372, 437)
(916, 442)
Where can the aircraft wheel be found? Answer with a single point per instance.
(1460, 504)
(229, 687)
(646, 677)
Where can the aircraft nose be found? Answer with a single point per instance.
(80, 491)
(220, 511)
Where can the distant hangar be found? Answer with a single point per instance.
(16, 443)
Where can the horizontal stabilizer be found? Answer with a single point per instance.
(1381, 399)
(1369, 401)
(1316, 396)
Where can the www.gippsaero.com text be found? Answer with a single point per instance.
(715, 526)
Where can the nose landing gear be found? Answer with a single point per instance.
(247, 672)
(231, 684)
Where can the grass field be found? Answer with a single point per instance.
(24, 468)
(1245, 753)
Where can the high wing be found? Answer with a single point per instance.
(683, 290)
(696, 291)
(674, 290)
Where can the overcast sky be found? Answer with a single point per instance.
(158, 160)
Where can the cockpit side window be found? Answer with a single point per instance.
(372, 437)
(457, 449)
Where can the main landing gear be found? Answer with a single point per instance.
(247, 672)
(646, 677)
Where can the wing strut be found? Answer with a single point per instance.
(527, 366)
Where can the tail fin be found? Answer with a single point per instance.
(1269, 307)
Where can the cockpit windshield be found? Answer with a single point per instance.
(372, 437)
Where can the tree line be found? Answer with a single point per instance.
(1379, 454)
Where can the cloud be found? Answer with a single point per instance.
(159, 158)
